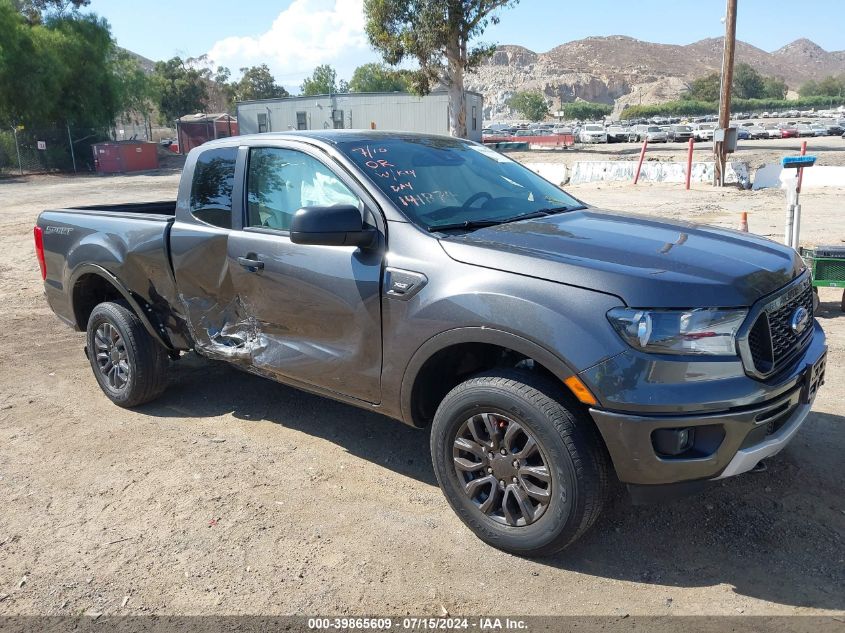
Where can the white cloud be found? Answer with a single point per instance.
(306, 34)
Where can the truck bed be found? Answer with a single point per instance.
(130, 242)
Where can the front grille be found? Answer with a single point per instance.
(772, 342)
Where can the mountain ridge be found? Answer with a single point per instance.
(620, 70)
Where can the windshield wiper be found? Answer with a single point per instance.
(480, 224)
(551, 210)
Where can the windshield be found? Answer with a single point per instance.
(437, 181)
(594, 128)
(654, 129)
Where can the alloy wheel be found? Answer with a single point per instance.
(502, 469)
(111, 356)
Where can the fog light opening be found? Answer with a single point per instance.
(673, 442)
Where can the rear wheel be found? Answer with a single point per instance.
(130, 365)
(522, 465)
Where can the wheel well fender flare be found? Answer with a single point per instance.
(556, 365)
(99, 271)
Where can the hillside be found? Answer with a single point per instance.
(622, 70)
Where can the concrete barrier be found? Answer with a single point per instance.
(653, 171)
(773, 175)
(553, 172)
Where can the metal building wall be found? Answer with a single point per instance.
(388, 111)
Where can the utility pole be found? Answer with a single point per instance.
(719, 148)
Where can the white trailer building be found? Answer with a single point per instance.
(370, 110)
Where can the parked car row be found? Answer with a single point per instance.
(701, 130)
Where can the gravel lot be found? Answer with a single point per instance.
(234, 495)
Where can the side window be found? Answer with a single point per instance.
(211, 189)
(281, 181)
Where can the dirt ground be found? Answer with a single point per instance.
(232, 494)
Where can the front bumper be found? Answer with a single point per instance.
(727, 442)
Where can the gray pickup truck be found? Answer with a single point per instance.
(550, 348)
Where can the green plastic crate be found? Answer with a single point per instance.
(828, 272)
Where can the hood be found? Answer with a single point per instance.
(647, 262)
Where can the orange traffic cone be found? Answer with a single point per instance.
(743, 223)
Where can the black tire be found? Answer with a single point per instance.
(142, 372)
(569, 445)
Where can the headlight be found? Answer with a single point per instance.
(696, 331)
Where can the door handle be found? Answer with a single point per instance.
(252, 265)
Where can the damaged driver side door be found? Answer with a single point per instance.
(308, 315)
(315, 309)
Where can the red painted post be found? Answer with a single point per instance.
(689, 160)
(801, 169)
(640, 164)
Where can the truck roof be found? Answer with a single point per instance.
(326, 136)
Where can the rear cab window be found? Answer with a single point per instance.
(211, 188)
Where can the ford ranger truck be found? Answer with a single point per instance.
(550, 348)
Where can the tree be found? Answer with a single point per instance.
(180, 88)
(257, 82)
(830, 86)
(322, 82)
(57, 70)
(437, 34)
(379, 78)
(135, 87)
(774, 88)
(687, 107)
(90, 93)
(705, 88)
(747, 82)
(586, 110)
(531, 105)
(23, 57)
(35, 10)
(809, 88)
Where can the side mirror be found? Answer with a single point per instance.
(337, 225)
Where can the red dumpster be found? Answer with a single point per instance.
(123, 156)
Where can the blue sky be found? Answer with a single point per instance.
(293, 36)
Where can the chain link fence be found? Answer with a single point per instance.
(52, 149)
(48, 149)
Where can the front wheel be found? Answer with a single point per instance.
(521, 464)
(129, 364)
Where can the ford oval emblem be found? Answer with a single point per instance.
(800, 319)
